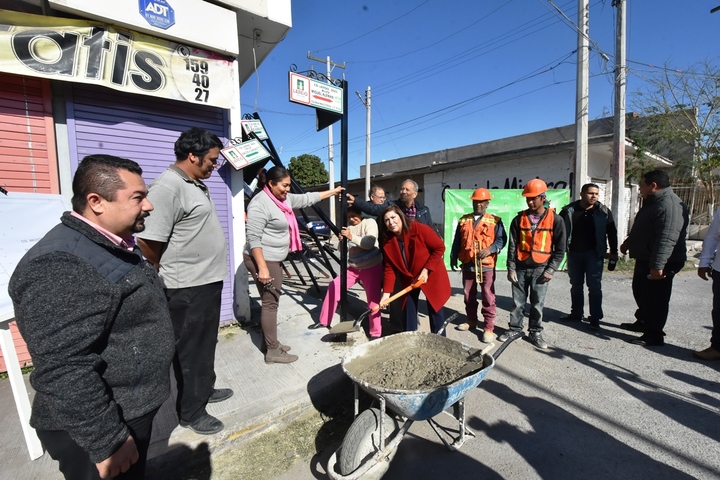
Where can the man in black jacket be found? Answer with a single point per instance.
(589, 227)
(657, 243)
(96, 323)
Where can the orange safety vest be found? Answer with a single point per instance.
(536, 243)
(483, 233)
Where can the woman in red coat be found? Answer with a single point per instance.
(414, 252)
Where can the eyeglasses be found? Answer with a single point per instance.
(378, 196)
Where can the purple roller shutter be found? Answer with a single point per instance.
(144, 129)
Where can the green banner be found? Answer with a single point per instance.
(505, 204)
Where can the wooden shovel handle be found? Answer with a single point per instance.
(399, 294)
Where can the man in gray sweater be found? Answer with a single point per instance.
(94, 317)
(657, 243)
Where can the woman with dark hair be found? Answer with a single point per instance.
(272, 232)
(414, 251)
(364, 265)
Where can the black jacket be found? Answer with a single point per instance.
(96, 323)
(658, 232)
(605, 228)
(422, 215)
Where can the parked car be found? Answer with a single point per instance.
(314, 223)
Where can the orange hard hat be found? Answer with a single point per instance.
(534, 187)
(481, 194)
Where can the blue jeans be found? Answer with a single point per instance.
(527, 285)
(582, 267)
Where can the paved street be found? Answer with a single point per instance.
(592, 406)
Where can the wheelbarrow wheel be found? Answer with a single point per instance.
(362, 441)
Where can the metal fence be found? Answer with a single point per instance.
(701, 203)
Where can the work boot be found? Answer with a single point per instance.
(284, 348)
(488, 336)
(536, 339)
(277, 355)
(708, 354)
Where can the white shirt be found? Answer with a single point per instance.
(710, 245)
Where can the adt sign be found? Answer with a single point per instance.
(158, 13)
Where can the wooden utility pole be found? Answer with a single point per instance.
(581, 98)
(331, 158)
(367, 102)
(618, 171)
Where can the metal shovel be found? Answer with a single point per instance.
(348, 327)
(472, 366)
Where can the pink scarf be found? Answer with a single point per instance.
(295, 243)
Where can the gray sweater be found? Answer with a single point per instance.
(267, 227)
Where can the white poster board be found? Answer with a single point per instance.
(24, 219)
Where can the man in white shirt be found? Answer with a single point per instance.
(710, 266)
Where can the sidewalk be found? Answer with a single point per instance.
(265, 395)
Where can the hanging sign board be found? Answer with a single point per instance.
(243, 154)
(256, 127)
(314, 93)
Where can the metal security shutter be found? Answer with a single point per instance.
(144, 129)
(28, 161)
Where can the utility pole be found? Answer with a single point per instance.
(367, 103)
(581, 97)
(618, 170)
(331, 158)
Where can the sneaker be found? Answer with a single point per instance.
(205, 425)
(571, 318)
(505, 336)
(220, 394)
(488, 336)
(464, 327)
(708, 354)
(537, 340)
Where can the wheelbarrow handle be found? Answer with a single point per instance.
(511, 338)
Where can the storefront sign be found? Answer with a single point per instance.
(256, 127)
(90, 52)
(307, 91)
(241, 155)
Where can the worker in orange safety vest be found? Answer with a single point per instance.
(535, 249)
(479, 237)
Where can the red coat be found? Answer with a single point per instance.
(423, 249)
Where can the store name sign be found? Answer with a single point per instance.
(85, 52)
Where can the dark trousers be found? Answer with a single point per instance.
(195, 314)
(653, 296)
(528, 286)
(585, 267)
(715, 339)
(411, 313)
(75, 463)
(487, 290)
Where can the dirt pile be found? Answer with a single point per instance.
(421, 369)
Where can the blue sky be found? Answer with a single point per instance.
(447, 73)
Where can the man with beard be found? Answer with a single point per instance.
(96, 324)
(185, 241)
(478, 239)
(590, 227)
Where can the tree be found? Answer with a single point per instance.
(308, 170)
(681, 120)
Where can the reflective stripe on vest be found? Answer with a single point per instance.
(484, 233)
(536, 243)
